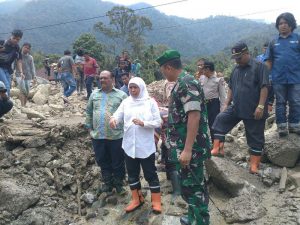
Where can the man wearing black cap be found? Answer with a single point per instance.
(5, 104)
(248, 92)
(188, 139)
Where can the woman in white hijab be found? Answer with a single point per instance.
(140, 115)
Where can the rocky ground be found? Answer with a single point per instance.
(48, 173)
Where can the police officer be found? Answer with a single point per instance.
(187, 136)
(214, 92)
(248, 90)
(5, 104)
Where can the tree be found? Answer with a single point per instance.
(125, 28)
(89, 43)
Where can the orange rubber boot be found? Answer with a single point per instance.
(254, 163)
(218, 148)
(156, 202)
(136, 201)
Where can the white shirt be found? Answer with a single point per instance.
(138, 141)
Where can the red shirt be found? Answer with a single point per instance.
(90, 67)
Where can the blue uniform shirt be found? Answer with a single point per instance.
(284, 53)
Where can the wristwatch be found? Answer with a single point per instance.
(261, 106)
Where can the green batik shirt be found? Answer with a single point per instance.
(187, 95)
(100, 107)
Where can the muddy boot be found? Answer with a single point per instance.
(218, 148)
(282, 129)
(136, 201)
(156, 202)
(119, 186)
(184, 220)
(254, 163)
(107, 186)
(176, 184)
(294, 129)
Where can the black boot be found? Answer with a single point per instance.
(119, 186)
(184, 220)
(176, 184)
(106, 186)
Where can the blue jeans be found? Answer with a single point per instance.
(5, 78)
(89, 85)
(287, 93)
(68, 83)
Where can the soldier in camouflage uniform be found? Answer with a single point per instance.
(187, 136)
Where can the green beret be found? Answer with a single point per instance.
(167, 56)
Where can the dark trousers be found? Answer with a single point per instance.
(110, 157)
(226, 120)
(213, 109)
(80, 82)
(5, 106)
(89, 82)
(134, 168)
(170, 166)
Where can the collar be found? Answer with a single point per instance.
(113, 89)
(290, 35)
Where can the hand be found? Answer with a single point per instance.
(22, 76)
(270, 108)
(113, 123)
(258, 114)
(34, 82)
(185, 158)
(138, 122)
(224, 108)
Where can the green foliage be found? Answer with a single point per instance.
(39, 57)
(149, 65)
(125, 28)
(90, 44)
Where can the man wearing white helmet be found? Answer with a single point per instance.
(5, 104)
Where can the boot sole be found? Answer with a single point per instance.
(156, 212)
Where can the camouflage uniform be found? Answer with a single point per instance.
(187, 95)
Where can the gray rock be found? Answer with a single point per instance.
(34, 142)
(42, 95)
(15, 199)
(283, 152)
(229, 138)
(225, 175)
(88, 198)
(243, 209)
(32, 113)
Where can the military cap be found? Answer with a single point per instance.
(238, 49)
(167, 56)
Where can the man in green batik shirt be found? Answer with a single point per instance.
(187, 136)
(107, 142)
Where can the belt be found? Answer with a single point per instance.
(211, 100)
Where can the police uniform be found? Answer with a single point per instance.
(215, 96)
(187, 95)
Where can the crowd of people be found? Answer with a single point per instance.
(124, 122)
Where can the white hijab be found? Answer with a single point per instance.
(144, 95)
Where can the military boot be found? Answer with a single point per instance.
(119, 186)
(176, 185)
(106, 186)
(184, 220)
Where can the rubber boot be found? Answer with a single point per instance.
(119, 186)
(136, 201)
(218, 148)
(175, 181)
(156, 202)
(254, 163)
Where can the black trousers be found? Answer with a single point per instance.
(213, 109)
(110, 157)
(226, 120)
(134, 168)
(170, 166)
(5, 106)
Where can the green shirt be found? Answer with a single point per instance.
(187, 95)
(100, 107)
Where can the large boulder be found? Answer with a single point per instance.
(14, 199)
(228, 177)
(283, 152)
(42, 94)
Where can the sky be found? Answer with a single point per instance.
(263, 10)
(198, 9)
